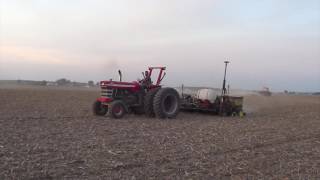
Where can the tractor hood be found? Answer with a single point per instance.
(133, 86)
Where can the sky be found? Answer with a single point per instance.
(272, 43)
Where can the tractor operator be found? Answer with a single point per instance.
(146, 82)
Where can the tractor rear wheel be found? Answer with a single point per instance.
(99, 109)
(148, 102)
(117, 109)
(166, 103)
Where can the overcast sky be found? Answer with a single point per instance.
(273, 43)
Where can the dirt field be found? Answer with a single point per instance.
(52, 134)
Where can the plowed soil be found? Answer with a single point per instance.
(51, 134)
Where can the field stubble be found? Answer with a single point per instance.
(52, 134)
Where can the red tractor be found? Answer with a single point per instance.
(139, 97)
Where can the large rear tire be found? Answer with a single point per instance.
(117, 109)
(166, 103)
(148, 102)
(99, 109)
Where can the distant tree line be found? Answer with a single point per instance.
(28, 82)
(63, 82)
(66, 82)
(59, 82)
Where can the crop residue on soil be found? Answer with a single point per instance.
(52, 134)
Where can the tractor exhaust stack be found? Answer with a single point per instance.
(120, 75)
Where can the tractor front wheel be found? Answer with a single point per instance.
(117, 109)
(99, 109)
